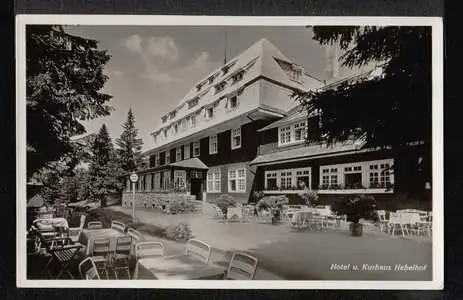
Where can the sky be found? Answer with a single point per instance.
(153, 67)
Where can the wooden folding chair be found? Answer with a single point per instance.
(75, 232)
(199, 250)
(63, 255)
(242, 267)
(90, 273)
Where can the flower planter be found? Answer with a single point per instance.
(356, 229)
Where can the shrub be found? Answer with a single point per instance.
(224, 202)
(356, 207)
(309, 197)
(272, 202)
(180, 232)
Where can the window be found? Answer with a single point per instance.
(271, 181)
(299, 131)
(157, 159)
(178, 154)
(164, 119)
(237, 77)
(175, 128)
(164, 133)
(198, 87)
(286, 180)
(353, 177)
(232, 102)
(295, 73)
(213, 144)
(220, 87)
(285, 135)
(379, 175)
(211, 79)
(166, 180)
(184, 125)
(167, 157)
(179, 179)
(186, 151)
(303, 178)
(210, 112)
(172, 114)
(329, 178)
(236, 138)
(193, 103)
(193, 121)
(196, 149)
(385, 178)
(237, 180)
(213, 181)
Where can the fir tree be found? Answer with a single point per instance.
(104, 172)
(129, 145)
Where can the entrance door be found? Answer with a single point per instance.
(197, 188)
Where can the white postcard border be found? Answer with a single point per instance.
(162, 20)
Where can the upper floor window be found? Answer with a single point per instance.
(220, 87)
(193, 120)
(292, 133)
(236, 138)
(210, 112)
(184, 124)
(233, 102)
(175, 128)
(199, 87)
(167, 157)
(178, 154)
(164, 119)
(193, 103)
(196, 149)
(157, 159)
(172, 114)
(238, 76)
(186, 151)
(164, 133)
(213, 144)
(211, 79)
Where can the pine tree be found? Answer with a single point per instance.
(104, 169)
(129, 145)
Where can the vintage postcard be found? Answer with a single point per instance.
(229, 152)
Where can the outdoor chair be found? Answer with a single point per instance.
(95, 225)
(382, 220)
(199, 250)
(300, 220)
(242, 267)
(90, 273)
(63, 254)
(136, 238)
(75, 232)
(149, 249)
(121, 256)
(101, 254)
(118, 225)
(396, 222)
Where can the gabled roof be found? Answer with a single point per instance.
(191, 163)
(294, 115)
(261, 59)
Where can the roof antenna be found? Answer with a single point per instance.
(225, 49)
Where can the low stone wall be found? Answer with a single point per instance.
(150, 199)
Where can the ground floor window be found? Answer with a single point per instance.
(166, 180)
(237, 180)
(213, 181)
(179, 179)
(289, 179)
(357, 175)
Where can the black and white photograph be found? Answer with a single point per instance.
(281, 152)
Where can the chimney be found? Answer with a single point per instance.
(332, 63)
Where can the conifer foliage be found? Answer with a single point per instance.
(129, 145)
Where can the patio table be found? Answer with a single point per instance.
(179, 267)
(49, 224)
(89, 235)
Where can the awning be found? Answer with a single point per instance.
(191, 163)
(316, 151)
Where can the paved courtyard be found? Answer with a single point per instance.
(287, 254)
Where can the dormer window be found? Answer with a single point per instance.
(184, 121)
(175, 128)
(220, 87)
(164, 133)
(172, 114)
(238, 76)
(227, 68)
(193, 120)
(193, 103)
(199, 87)
(295, 73)
(164, 119)
(211, 79)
